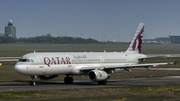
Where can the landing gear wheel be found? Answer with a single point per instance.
(102, 82)
(68, 80)
(32, 83)
(99, 82)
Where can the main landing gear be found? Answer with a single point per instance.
(33, 83)
(104, 82)
(68, 80)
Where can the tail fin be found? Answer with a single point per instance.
(135, 46)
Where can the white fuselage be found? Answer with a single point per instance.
(71, 63)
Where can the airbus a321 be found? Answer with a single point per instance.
(96, 65)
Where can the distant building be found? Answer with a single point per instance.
(163, 40)
(175, 39)
(10, 30)
(158, 40)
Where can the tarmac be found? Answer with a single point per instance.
(78, 84)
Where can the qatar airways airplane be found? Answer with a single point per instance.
(97, 65)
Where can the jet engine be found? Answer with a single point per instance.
(97, 75)
(47, 77)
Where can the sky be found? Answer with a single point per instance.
(103, 20)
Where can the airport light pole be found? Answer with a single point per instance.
(66, 33)
(81, 35)
(102, 36)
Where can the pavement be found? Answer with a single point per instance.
(78, 84)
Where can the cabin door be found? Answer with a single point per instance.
(101, 61)
(41, 64)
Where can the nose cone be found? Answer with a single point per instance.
(19, 68)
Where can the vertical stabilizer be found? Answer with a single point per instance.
(135, 46)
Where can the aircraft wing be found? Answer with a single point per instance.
(162, 56)
(9, 58)
(126, 66)
(156, 56)
(152, 56)
(165, 68)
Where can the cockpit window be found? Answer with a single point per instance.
(30, 60)
(26, 60)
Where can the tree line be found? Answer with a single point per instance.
(46, 39)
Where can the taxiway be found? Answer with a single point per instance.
(78, 84)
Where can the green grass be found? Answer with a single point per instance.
(148, 93)
(21, 49)
(161, 48)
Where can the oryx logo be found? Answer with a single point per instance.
(138, 41)
(100, 75)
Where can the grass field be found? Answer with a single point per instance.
(157, 93)
(143, 93)
(21, 49)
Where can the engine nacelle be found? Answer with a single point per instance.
(47, 77)
(97, 75)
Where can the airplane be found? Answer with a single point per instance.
(96, 65)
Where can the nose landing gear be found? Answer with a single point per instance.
(33, 83)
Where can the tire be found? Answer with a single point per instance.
(102, 82)
(70, 80)
(99, 82)
(32, 83)
(66, 80)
